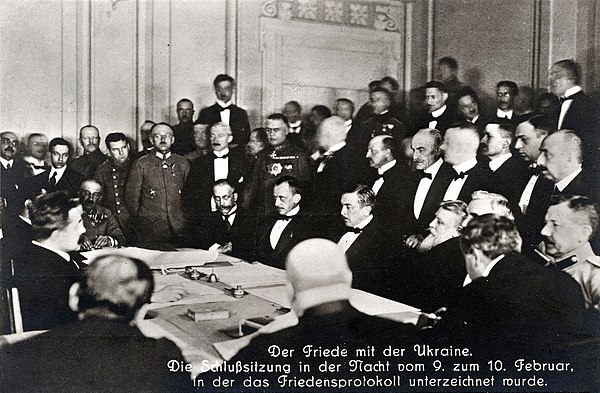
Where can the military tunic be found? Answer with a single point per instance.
(154, 197)
(101, 222)
(113, 178)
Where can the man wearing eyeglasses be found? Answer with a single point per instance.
(184, 130)
(153, 192)
(281, 158)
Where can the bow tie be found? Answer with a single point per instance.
(224, 108)
(37, 166)
(534, 169)
(223, 156)
(563, 99)
(353, 230)
(284, 218)
(295, 130)
(423, 174)
(430, 117)
(460, 175)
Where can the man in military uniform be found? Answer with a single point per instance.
(279, 159)
(112, 175)
(92, 157)
(101, 227)
(154, 191)
(571, 222)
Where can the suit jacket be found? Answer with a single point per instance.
(583, 184)
(11, 188)
(510, 179)
(211, 228)
(583, 117)
(154, 197)
(531, 223)
(238, 120)
(70, 182)
(198, 189)
(478, 179)
(43, 279)
(391, 200)
(299, 228)
(69, 357)
(519, 309)
(87, 164)
(444, 121)
(184, 138)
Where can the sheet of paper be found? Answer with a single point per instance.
(155, 259)
(196, 292)
(250, 275)
(377, 305)
(278, 294)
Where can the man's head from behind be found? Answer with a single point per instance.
(89, 136)
(530, 135)
(561, 154)
(570, 222)
(357, 205)
(185, 111)
(60, 150)
(486, 237)
(10, 145)
(287, 194)
(318, 273)
(118, 147)
(90, 194)
(461, 142)
(225, 196)
(56, 219)
(483, 202)
(381, 150)
(112, 287)
(447, 221)
(425, 145)
(331, 132)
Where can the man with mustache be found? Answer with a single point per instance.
(438, 116)
(92, 157)
(184, 130)
(101, 227)
(12, 174)
(153, 192)
(224, 163)
(35, 153)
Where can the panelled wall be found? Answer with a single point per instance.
(115, 63)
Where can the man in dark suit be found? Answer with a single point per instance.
(108, 301)
(439, 116)
(278, 234)
(460, 146)
(224, 163)
(510, 173)
(229, 229)
(578, 112)
(469, 107)
(510, 297)
(12, 177)
(225, 111)
(320, 281)
(368, 244)
(184, 130)
(92, 157)
(344, 108)
(44, 272)
(506, 95)
(60, 176)
(34, 156)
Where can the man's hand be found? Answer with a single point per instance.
(85, 243)
(170, 293)
(427, 321)
(225, 249)
(413, 241)
(102, 241)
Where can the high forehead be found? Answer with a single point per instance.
(377, 142)
(504, 89)
(91, 186)
(466, 100)
(254, 136)
(62, 149)
(224, 85)
(185, 105)
(553, 141)
(282, 189)
(89, 132)
(422, 139)
(525, 129)
(350, 198)
(430, 91)
(271, 123)
(492, 129)
(222, 189)
(162, 129)
(38, 138)
(147, 126)
(560, 212)
(221, 131)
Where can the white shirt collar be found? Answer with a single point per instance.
(295, 124)
(223, 104)
(474, 119)
(486, 271)
(498, 161)
(561, 185)
(222, 152)
(502, 114)
(434, 168)
(438, 112)
(293, 212)
(334, 148)
(572, 90)
(59, 172)
(385, 167)
(365, 222)
(465, 166)
(63, 254)
(163, 156)
(348, 122)
(6, 162)
(25, 219)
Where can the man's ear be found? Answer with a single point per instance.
(296, 198)
(74, 297)
(230, 139)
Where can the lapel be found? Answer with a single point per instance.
(287, 236)
(436, 192)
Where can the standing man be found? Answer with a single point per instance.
(225, 111)
(469, 108)
(35, 154)
(344, 108)
(509, 173)
(92, 157)
(113, 175)
(147, 143)
(12, 176)
(438, 116)
(279, 159)
(279, 233)
(154, 191)
(578, 112)
(506, 95)
(60, 176)
(224, 163)
(184, 130)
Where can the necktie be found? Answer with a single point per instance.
(226, 219)
(423, 174)
(8, 166)
(563, 99)
(224, 108)
(353, 230)
(38, 166)
(52, 180)
(460, 175)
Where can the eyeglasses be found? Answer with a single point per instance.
(6, 141)
(273, 130)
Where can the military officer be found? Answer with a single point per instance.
(154, 191)
(279, 159)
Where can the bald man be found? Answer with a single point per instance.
(92, 157)
(459, 149)
(320, 288)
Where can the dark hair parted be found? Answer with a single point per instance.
(59, 142)
(295, 184)
(223, 78)
(512, 86)
(115, 137)
(441, 86)
(50, 212)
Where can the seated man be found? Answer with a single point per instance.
(103, 350)
(320, 291)
(101, 227)
(44, 272)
